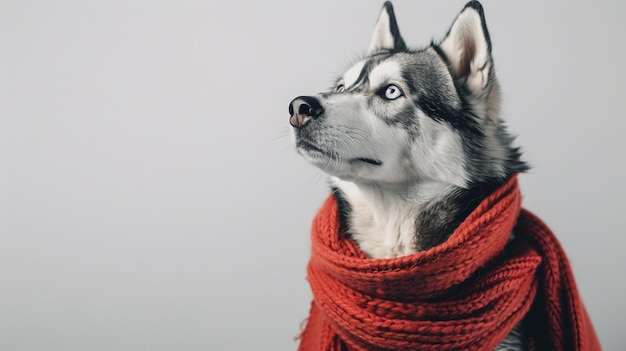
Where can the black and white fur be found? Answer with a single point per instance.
(411, 139)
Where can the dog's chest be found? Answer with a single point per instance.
(383, 232)
(385, 223)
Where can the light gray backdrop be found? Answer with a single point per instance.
(149, 195)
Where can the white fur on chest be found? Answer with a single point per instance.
(385, 233)
(382, 224)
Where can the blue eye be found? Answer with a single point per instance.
(392, 92)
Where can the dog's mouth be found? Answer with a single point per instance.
(313, 149)
(368, 160)
(308, 146)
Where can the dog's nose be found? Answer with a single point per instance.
(302, 109)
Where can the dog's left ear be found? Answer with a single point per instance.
(386, 33)
(468, 48)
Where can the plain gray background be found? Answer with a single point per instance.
(149, 195)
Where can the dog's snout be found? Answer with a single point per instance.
(302, 109)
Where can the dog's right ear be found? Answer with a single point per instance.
(386, 33)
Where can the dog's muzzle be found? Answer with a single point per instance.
(302, 109)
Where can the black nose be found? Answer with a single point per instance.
(302, 109)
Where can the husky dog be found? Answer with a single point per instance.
(411, 139)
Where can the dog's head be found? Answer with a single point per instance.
(402, 116)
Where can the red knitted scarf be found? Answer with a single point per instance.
(465, 294)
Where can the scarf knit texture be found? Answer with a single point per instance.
(465, 294)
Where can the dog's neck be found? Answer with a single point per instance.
(396, 221)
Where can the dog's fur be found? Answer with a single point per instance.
(412, 139)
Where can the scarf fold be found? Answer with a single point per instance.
(465, 294)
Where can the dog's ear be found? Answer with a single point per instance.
(386, 33)
(467, 48)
